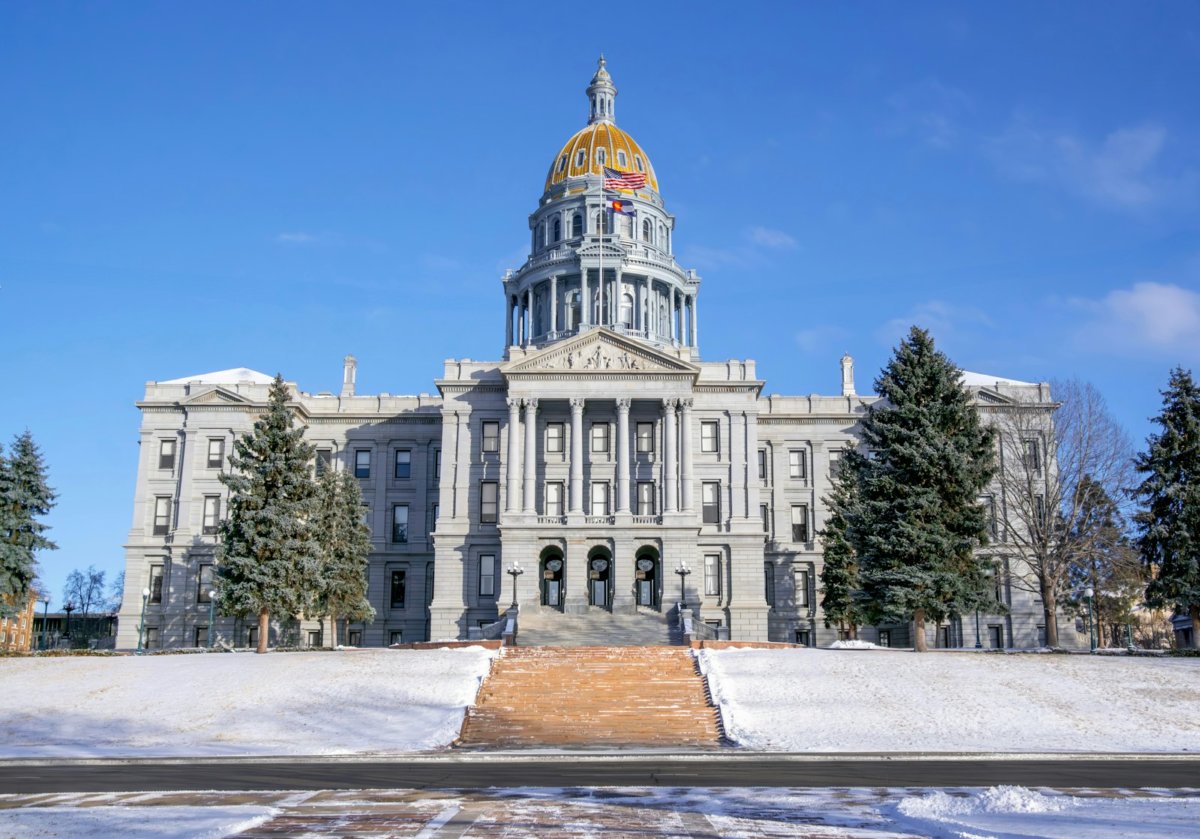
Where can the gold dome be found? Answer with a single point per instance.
(596, 146)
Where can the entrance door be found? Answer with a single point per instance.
(552, 583)
(599, 576)
(646, 577)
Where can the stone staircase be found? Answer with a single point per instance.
(595, 628)
(573, 697)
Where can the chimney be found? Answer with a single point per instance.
(349, 372)
(848, 376)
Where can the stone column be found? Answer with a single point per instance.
(530, 455)
(508, 333)
(737, 465)
(752, 482)
(512, 497)
(685, 443)
(619, 298)
(554, 304)
(529, 315)
(623, 455)
(576, 505)
(600, 310)
(674, 326)
(695, 329)
(669, 455)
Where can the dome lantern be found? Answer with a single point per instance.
(602, 94)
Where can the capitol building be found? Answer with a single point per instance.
(601, 452)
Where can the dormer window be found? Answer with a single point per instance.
(581, 157)
(562, 163)
(577, 225)
(601, 156)
(557, 229)
(637, 161)
(622, 161)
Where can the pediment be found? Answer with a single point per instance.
(608, 249)
(991, 397)
(600, 351)
(216, 396)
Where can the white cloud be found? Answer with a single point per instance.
(297, 239)
(753, 250)
(1149, 318)
(1120, 172)
(769, 238)
(943, 320)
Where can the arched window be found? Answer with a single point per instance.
(602, 156)
(637, 160)
(572, 310)
(622, 161)
(557, 229)
(581, 157)
(646, 228)
(577, 225)
(627, 310)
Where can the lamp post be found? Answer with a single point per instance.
(45, 616)
(68, 607)
(682, 570)
(142, 623)
(212, 606)
(1088, 594)
(514, 570)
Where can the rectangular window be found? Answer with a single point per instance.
(490, 442)
(764, 511)
(166, 454)
(433, 516)
(799, 522)
(487, 575)
(645, 498)
(1039, 509)
(645, 437)
(314, 638)
(996, 636)
(162, 515)
(152, 642)
(885, 638)
(800, 580)
(489, 505)
(399, 523)
(762, 465)
(798, 464)
(156, 583)
(988, 502)
(216, 452)
(354, 637)
(710, 502)
(769, 583)
(712, 574)
(403, 464)
(600, 437)
(201, 636)
(554, 498)
(835, 463)
(997, 574)
(399, 583)
(1032, 455)
(251, 636)
(437, 465)
(802, 637)
(396, 636)
(204, 584)
(599, 499)
(212, 514)
(324, 461)
(709, 440)
(362, 463)
(554, 437)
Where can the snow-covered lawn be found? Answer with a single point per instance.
(131, 822)
(881, 700)
(231, 704)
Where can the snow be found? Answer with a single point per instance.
(364, 701)
(851, 644)
(170, 822)
(886, 700)
(986, 380)
(232, 376)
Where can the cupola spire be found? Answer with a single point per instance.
(602, 94)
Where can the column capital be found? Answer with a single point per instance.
(686, 404)
(578, 403)
(624, 404)
(531, 404)
(670, 404)
(513, 402)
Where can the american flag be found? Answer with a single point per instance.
(614, 179)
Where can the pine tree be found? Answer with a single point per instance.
(918, 518)
(1169, 523)
(24, 498)
(839, 571)
(345, 541)
(269, 560)
(1110, 565)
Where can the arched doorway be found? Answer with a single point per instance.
(600, 578)
(552, 569)
(647, 578)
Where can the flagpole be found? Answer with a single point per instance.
(600, 284)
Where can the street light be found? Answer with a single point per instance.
(682, 570)
(45, 615)
(514, 570)
(1088, 594)
(142, 624)
(978, 640)
(68, 607)
(212, 627)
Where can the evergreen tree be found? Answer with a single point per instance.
(269, 558)
(918, 518)
(24, 498)
(1169, 523)
(345, 541)
(839, 571)
(1109, 565)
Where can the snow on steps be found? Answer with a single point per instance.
(571, 697)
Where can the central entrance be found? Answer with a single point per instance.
(646, 579)
(600, 579)
(552, 580)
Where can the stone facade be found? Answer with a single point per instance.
(600, 453)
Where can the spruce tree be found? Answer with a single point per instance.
(839, 570)
(918, 519)
(1109, 565)
(345, 541)
(268, 559)
(1169, 523)
(25, 497)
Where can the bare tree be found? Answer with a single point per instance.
(1051, 464)
(86, 589)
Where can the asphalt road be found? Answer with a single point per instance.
(509, 770)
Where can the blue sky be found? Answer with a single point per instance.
(186, 188)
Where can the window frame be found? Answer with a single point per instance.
(764, 512)
(489, 436)
(220, 454)
(322, 461)
(769, 583)
(403, 588)
(605, 435)
(361, 471)
(555, 437)
(712, 575)
(400, 536)
(798, 464)
(763, 466)
(489, 509)
(710, 511)
(489, 590)
(161, 520)
(203, 587)
(644, 437)
(156, 583)
(801, 531)
(210, 517)
(555, 505)
(800, 584)
(606, 501)
(646, 499)
(710, 436)
(166, 461)
(402, 463)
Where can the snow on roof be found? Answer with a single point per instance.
(985, 380)
(225, 377)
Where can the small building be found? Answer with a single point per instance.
(52, 630)
(15, 632)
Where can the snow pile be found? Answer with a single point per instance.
(939, 805)
(853, 644)
(838, 701)
(210, 822)
(239, 704)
